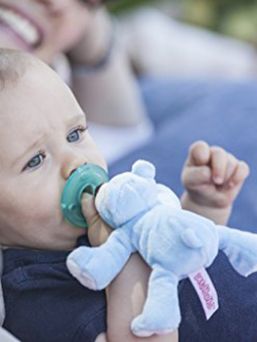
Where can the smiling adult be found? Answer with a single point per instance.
(97, 68)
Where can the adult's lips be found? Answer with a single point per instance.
(22, 28)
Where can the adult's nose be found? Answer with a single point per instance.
(54, 5)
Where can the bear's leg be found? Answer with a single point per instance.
(161, 313)
(95, 267)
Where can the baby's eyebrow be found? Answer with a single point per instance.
(76, 118)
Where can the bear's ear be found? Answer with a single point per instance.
(144, 169)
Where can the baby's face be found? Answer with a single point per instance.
(43, 27)
(43, 138)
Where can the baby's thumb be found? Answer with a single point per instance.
(88, 208)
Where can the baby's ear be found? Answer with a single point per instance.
(144, 169)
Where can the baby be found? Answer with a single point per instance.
(44, 138)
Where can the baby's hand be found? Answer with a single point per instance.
(98, 230)
(212, 177)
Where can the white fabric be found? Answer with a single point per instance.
(62, 66)
(6, 336)
(162, 46)
(2, 308)
(114, 142)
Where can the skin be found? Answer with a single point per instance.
(37, 162)
(61, 23)
(64, 27)
(212, 178)
(84, 32)
(44, 137)
(71, 25)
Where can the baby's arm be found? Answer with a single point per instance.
(212, 179)
(127, 293)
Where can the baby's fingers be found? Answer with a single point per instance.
(239, 175)
(88, 208)
(199, 154)
(193, 176)
(232, 164)
(218, 164)
(97, 231)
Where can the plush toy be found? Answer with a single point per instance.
(147, 218)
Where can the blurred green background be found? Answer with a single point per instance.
(237, 18)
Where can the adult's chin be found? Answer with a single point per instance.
(9, 41)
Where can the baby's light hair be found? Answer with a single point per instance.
(13, 64)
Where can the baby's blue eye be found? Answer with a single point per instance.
(75, 135)
(35, 162)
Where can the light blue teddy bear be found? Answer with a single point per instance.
(147, 218)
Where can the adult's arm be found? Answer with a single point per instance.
(103, 81)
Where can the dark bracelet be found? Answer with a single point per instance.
(80, 68)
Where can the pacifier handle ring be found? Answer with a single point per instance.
(86, 178)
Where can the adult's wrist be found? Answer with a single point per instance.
(96, 43)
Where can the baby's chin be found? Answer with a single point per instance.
(66, 237)
(61, 237)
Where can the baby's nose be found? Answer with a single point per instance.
(69, 168)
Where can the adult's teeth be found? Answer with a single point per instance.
(20, 25)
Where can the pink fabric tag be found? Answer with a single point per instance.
(206, 291)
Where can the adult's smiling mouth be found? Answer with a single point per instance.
(21, 27)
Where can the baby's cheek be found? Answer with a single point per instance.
(49, 209)
(45, 207)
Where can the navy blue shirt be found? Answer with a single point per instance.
(236, 318)
(45, 303)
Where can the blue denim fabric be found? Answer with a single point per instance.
(45, 303)
(222, 113)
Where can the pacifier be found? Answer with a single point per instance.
(86, 178)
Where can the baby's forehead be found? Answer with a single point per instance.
(29, 89)
(13, 65)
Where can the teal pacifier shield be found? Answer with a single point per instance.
(86, 178)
